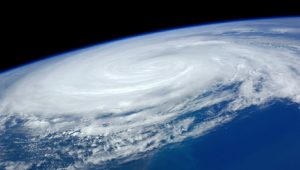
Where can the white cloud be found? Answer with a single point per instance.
(136, 95)
(16, 165)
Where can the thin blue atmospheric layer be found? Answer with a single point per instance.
(259, 138)
(74, 51)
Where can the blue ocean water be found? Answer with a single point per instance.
(264, 137)
(259, 138)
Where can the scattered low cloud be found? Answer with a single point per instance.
(120, 100)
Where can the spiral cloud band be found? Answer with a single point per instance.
(123, 99)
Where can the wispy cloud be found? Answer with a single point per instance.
(123, 99)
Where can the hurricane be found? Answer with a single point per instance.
(122, 100)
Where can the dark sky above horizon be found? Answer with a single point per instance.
(35, 33)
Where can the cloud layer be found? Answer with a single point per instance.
(122, 99)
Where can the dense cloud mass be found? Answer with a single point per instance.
(121, 100)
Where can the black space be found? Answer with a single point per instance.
(32, 33)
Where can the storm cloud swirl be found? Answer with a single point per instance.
(121, 100)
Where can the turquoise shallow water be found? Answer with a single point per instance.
(259, 138)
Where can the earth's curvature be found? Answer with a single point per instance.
(217, 96)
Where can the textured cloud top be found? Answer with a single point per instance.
(122, 99)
